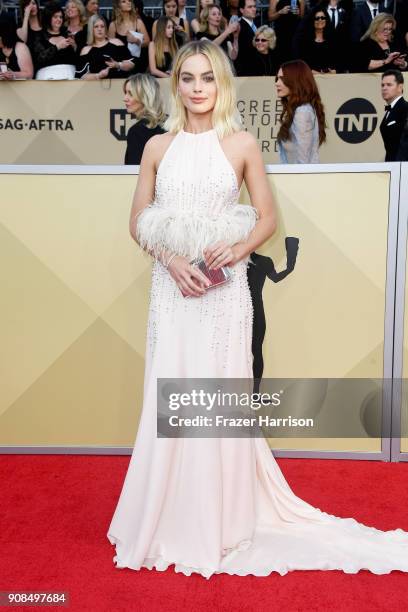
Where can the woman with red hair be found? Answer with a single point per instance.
(302, 129)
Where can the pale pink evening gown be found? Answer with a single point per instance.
(218, 505)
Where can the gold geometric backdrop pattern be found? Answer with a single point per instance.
(75, 293)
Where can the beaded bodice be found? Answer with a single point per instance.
(195, 174)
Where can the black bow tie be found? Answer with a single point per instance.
(388, 107)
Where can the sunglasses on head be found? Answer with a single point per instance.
(261, 40)
(320, 18)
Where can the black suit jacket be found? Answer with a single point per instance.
(391, 129)
(246, 49)
(362, 18)
(402, 154)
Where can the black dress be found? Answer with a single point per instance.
(263, 64)
(46, 54)
(139, 62)
(11, 60)
(319, 56)
(94, 60)
(137, 137)
(31, 35)
(285, 27)
(167, 62)
(369, 50)
(80, 39)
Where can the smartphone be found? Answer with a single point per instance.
(234, 19)
(3, 67)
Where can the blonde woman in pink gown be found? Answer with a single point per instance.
(215, 505)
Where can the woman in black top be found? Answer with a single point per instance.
(76, 22)
(125, 21)
(314, 43)
(31, 22)
(211, 27)
(264, 61)
(14, 55)
(142, 99)
(285, 22)
(377, 51)
(163, 48)
(54, 47)
(103, 57)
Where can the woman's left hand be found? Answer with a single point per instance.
(133, 39)
(7, 76)
(220, 254)
(112, 64)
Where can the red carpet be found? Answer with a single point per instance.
(55, 511)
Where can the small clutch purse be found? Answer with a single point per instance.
(216, 277)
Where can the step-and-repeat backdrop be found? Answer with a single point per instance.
(75, 291)
(74, 122)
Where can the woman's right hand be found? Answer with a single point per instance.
(392, 56)
(28, 9)
(189, 279)
(63, 43)
(232, 27)
(285, 10)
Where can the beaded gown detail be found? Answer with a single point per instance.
(219, 505)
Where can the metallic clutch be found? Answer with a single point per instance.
(216, 277)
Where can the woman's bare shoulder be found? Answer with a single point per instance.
(116, 42)
(157, 146)
(244, 138)
(242, 141)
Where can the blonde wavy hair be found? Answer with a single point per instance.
(205, 13)
(118, 14)
(377, 23)
(225, 117)
(81, 9)
(145, 88)
(268, 33)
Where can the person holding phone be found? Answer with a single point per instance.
(378, 52)
(286, 16)
(54, 51)
(211, 28)
(103, 57)
(15, 57)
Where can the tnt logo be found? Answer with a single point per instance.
(120, 122)
(355, 120)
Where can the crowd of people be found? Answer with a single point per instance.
(75, 41)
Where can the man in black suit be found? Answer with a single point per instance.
(248, 27)
(363, 15)
(396, 112)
